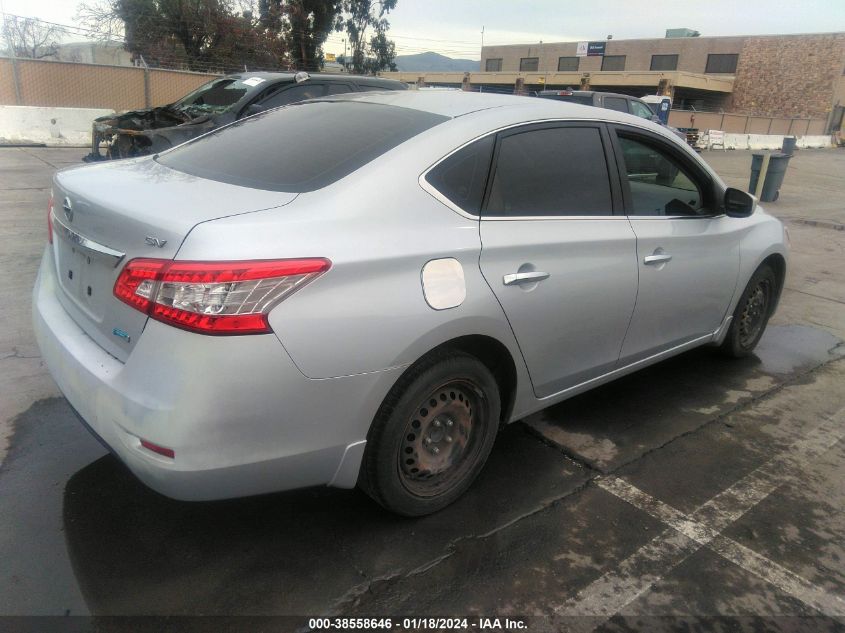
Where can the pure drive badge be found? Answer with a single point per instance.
(124, 335)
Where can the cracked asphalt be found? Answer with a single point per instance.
(697, 494)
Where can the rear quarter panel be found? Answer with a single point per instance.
(379, 228)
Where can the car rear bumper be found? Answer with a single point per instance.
(238, 414)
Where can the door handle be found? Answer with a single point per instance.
(524, 278)
(651, 260)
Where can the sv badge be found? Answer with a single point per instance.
(154, 241)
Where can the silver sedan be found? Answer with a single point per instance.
(361, 290)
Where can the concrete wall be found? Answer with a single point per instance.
(746, 124)
(65, 84)
(769, 141)
(51, 126)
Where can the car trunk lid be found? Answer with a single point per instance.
(110, 213)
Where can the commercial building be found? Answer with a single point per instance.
(778, 76)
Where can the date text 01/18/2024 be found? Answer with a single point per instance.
(417, 624)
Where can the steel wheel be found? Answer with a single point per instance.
(439, 437)
(754, 313)
(432, 434)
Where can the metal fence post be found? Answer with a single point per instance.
(17, 79)
(147, 100)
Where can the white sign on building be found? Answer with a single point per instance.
(581, 51)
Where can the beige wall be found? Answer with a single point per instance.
(64, 84)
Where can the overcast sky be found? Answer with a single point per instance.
(453, 27)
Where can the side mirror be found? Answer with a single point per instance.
(738, 203)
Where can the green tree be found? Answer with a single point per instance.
(307, 25)
(377, 52)
(210, 35)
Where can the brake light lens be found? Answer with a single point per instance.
(50, 219)
(214, 297)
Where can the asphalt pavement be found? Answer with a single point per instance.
(700, 493)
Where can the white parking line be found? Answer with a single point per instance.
(614, 590)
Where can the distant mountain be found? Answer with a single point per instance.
(434, 62)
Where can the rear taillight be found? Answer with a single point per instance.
(214, 297)
(50, 219)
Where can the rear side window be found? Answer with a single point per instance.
(616, 103)
(301, 147)
(462, 176)
(551, 171)
(300, 92)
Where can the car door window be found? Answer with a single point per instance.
(550, 171)
(293, 94)
(658, 182)
(616, 103)
(462, 176)
(640, 110)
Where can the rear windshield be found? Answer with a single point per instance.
(300, 147)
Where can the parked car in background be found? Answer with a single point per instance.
(610, 101)
(361, 289)
(217, 103)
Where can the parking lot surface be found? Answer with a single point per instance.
(698, 489)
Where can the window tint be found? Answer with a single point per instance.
(721, 63)
(300, 147)
(567, 63)
(616, 103)
(493, 65)
(462, 176)
(529, 63)
(582, 99)
(659, 184)
(368, 88)
(339, 89)
(551, 171)
(613, 62)
(641, 110)
(664, 62)
(300, 92)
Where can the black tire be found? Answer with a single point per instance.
(432, 434)
(752, 313)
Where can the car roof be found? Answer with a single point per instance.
(291, 75)
(586, 93)
(457, 103)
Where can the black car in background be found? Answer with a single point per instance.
(212, 105)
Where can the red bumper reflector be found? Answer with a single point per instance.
(161, 450)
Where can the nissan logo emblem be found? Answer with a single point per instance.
(68, 208)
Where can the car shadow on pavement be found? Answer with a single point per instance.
(320, 550)
(311, 551)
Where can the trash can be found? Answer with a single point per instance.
(788, 146)
(778, 162)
